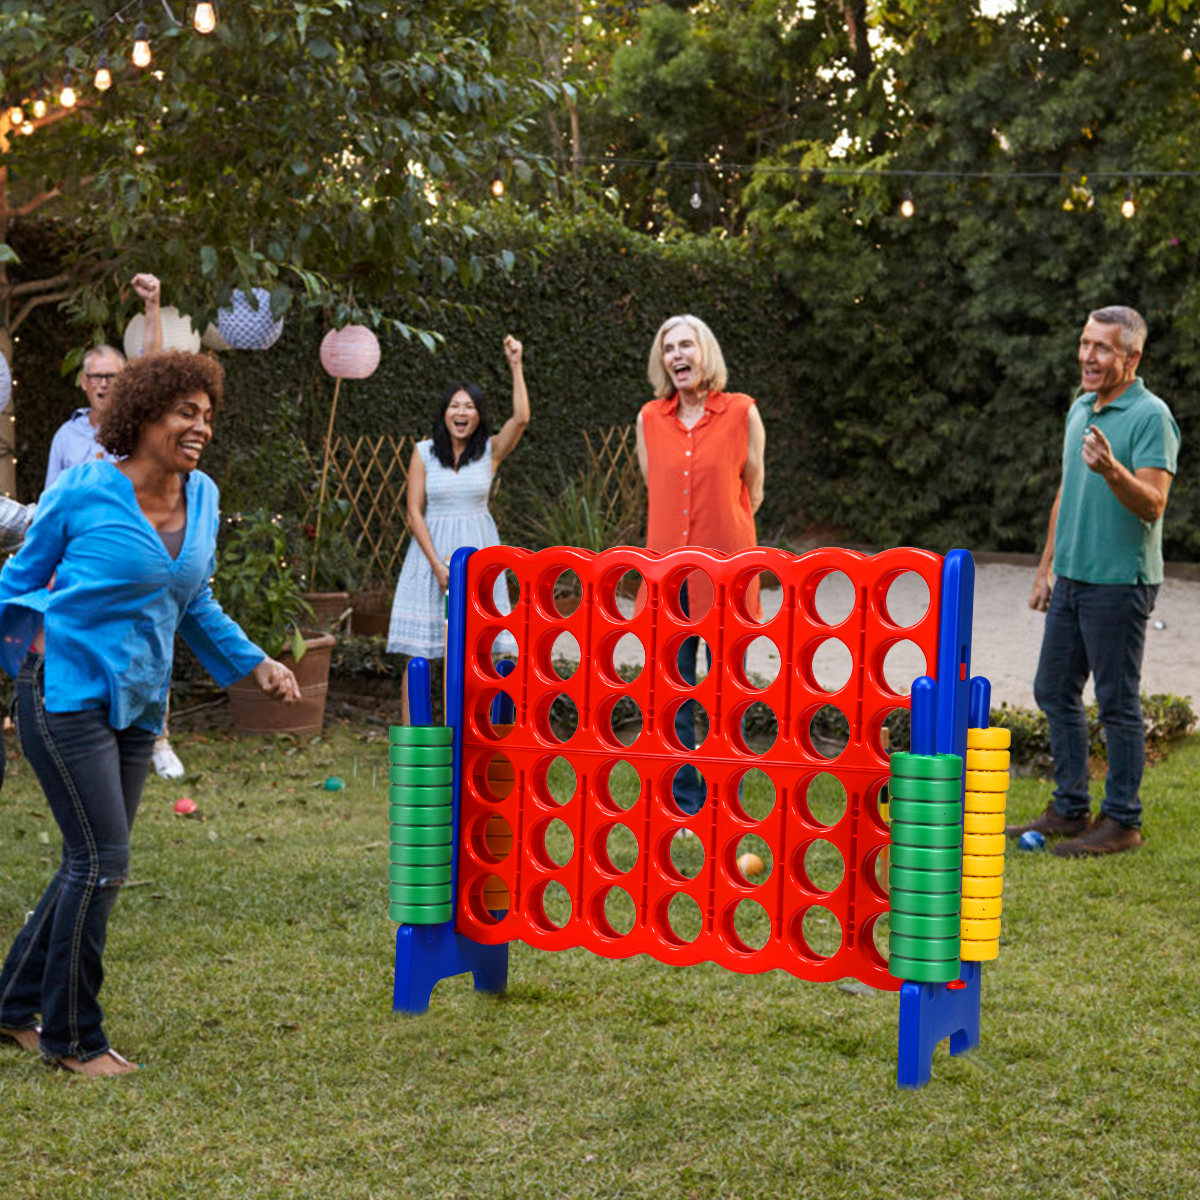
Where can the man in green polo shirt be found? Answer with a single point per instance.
(1104, 549)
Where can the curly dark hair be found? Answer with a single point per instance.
(147, 387)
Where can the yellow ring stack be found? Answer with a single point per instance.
(986, 784)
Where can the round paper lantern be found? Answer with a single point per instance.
(350, 353)
(212, 339)
(177, 331)
(5, 383)
(243, 327)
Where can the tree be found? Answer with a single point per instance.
(313, 148)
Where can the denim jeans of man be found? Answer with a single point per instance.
(93, 776)
(1096, 629)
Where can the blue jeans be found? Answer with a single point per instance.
(93, 776)
(1098, 629)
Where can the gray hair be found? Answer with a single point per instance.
(88, 355)
(1132, 323)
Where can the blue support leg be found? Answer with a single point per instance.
(930, 1012)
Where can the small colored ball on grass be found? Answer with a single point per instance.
(1032, 840)
(335, 783)
(185, 805)
(750, 864)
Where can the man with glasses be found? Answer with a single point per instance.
(75, 442)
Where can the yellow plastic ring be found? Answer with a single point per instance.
(994, 738)
(981, 910)
(982, 864)
(985, 802)
(974, 822)
(979, 951)
(983, 843)
(982, 887)
(986, 781)
(988, 760)
(981, 931)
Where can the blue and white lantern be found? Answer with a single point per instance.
(243, 327)
(5, 383)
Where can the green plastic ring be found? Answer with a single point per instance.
(423, 914)
(926, 812)
(925, 949)
(430, 776)
(421, 756)
(927, 766)
(420, 735)
(420, 856)
(404, 873)
(913, 970)
(422, 835)
(900, 788)
(928, 904)
(423, 797)
(904, 833)
(419, 893)
(414, 814)
(928, 858)
(918, 926)
(910, 879)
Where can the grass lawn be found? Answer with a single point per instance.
(250, 969)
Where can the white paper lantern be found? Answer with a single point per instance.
(350, 353)
(178, 333)
(5, 383)
(211, 339)
(242, 327)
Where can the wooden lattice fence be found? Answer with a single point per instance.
(371, 473)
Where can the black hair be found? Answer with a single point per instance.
(443, 447)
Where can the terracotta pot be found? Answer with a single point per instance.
(254, 712)
(328, 609)
(372, 614)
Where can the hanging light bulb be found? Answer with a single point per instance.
(27, 128)
(39, 107)
(498, 184)
(907, 207)
(103, 80)
(67, 97)
(141, 45)
(140, 148)
(16, 115)
(205, 20)
(1128, 207)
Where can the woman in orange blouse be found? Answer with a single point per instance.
(701, 451)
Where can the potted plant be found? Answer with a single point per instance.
(257, 585)
(328, 554)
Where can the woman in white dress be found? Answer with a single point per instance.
(449, 482)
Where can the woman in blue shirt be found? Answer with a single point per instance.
(130, 547)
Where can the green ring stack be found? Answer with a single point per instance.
(420, 808)
(925, 872)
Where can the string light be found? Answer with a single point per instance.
(141, 45)
(103, 80)
(27, 128)
(1128, 208)
(16, 115)
(39, 106)
(907, 207)
(696, 201)
(498, 184)
(206, 17)
(67, 97)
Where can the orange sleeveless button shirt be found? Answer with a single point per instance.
(697, 496)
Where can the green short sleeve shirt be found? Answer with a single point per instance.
(1097, 539)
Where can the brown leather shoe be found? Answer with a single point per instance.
(1051, 824)
(1106, 836)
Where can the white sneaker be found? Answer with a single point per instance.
(166, 761)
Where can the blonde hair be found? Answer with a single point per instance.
(712, 361)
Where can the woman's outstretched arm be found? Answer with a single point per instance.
(512, 429)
